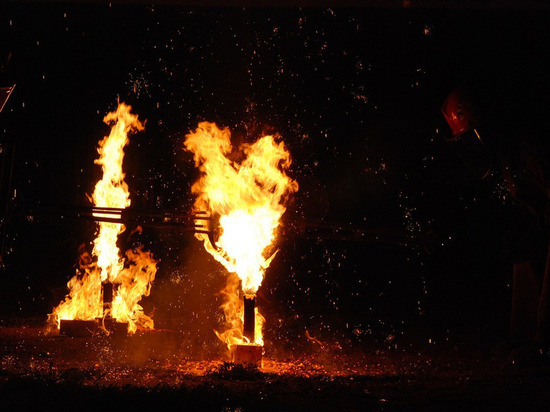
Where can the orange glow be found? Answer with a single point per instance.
(248, 197)
(233, 309)
(132, 276)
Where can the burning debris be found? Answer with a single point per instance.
(107, 288)
(248, 196)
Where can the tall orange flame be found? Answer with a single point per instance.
(132, 277)
(249, 199)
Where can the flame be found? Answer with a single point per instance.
(112, 190)
(131, 277)
(248, 197)
(233, 309)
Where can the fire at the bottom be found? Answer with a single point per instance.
(250, 353)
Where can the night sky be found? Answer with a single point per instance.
(355, 95)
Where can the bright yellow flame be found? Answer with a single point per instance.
(132, 277)
(249, 199)
(233, 309)
(112, 190)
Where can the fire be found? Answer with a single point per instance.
(248, 196)
(132, 276)
(112, 190)
(233, 310)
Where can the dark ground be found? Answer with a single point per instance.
(155, 371)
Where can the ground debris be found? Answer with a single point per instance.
(138, 372)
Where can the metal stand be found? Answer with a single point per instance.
(249, 322)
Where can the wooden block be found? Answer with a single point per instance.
(89, 328)
(78, 328)
(247, 354)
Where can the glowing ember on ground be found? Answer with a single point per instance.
(248, 196)
(131, 276)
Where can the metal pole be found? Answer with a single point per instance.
(107, 299)
(249, 317)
